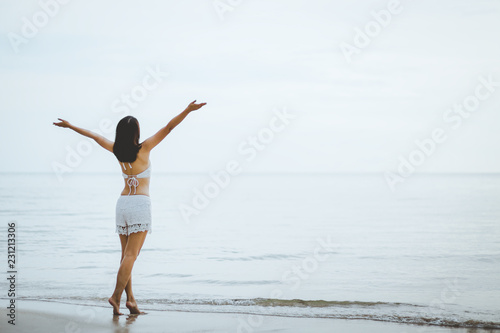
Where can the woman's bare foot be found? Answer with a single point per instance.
(116, 306)
(132, 306)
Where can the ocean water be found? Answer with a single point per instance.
(305, 245)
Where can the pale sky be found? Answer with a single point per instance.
(247, 60)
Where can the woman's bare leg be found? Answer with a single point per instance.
(131, 304)
(133, 246)
(128, 287)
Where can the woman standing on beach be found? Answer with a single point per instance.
(133, 207)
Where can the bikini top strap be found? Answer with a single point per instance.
(128, 165)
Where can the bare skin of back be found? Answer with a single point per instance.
(138, 166)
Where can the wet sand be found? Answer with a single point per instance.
(55, 317)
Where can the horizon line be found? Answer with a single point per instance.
(272, 172)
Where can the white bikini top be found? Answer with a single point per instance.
(132, 179)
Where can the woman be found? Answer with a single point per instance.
(133, 208)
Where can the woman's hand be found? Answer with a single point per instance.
(193, 106)
(63, 123)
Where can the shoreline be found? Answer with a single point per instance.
(52, 316)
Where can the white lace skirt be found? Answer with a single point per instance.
(133, 214)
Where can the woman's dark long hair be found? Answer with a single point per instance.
(127, 144)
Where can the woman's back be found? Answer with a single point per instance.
(137, 174)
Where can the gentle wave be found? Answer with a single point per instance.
(403, 313)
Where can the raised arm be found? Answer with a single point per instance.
(151, 142)
(102, 141)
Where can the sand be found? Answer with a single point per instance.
(56, 317)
